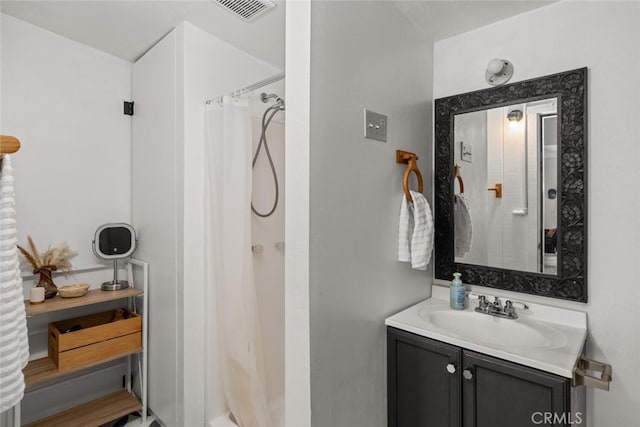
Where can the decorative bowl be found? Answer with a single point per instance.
(73, 291)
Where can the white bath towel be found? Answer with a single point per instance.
(415, 231)
(14, 345)
(463, 228)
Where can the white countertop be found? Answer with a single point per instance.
(563, 332)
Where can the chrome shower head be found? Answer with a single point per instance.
(265, 98)
(279, 101)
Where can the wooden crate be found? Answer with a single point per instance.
(100, 338)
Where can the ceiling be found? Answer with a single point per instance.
(127, 29)
(441, 19)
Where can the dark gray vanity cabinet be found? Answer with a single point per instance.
(498, 393)
(433, 384)
(424, 381)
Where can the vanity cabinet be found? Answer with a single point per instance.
(434, 384)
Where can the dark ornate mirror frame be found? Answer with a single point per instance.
(570, 283)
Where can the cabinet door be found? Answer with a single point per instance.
(422, 390)
(497, 393)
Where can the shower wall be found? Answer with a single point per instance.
(269, 262)
(170, 85)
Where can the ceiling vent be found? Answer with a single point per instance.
(246, 9)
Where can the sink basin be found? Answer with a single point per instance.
(543, 337)
(494, 331)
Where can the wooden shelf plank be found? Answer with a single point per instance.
(93, 413)
(43, 370)
(94, 296)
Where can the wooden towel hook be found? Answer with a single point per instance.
(456, 168)
(8, 144)
(411, 160)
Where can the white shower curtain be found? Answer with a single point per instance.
(229, 266)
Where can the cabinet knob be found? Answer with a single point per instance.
(467, 374)
(451, 368)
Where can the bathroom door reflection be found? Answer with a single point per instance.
(548, 144)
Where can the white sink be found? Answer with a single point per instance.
(494, 331)
(544, 337)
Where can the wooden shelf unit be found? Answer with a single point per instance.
(94, 296)
(104, 409)
(93, 413)
(42, 370)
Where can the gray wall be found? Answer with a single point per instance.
(363, 55)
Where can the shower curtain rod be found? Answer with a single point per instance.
(251, 88)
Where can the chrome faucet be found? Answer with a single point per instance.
(495, 308)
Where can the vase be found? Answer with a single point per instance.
(46, 280)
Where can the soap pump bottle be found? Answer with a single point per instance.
(456, 293)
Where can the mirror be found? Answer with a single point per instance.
(518, 154)
(113, 242)
(510, 147)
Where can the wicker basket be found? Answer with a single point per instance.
(73, 291)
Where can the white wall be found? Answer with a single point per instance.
(173, 81)
(269, 233)
(365, 55)
(63, 100)
(297, 158)
(155, 194)
(605, 37)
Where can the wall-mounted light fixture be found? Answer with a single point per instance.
(499, 71)
(515, 115)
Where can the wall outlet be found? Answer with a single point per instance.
(375, 125)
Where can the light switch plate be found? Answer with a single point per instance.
(466, 148)
(375, 125)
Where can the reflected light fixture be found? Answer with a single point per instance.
(515, 115)
(499, 71)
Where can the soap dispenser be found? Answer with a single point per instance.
(456, 293)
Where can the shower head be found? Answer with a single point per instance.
(264, 97)
(279, 101)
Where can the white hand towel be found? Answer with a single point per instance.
(405, 228)
(462, 225)
(14, 345)
(415, 231)
(422, 237)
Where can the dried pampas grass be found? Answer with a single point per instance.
(58, 257)
(34, 251)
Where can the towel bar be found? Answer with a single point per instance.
(581, 377)
(411, 160)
